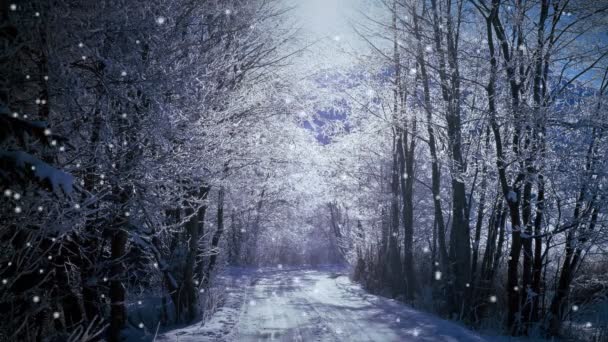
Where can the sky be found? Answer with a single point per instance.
(326, 17)
(329, 23)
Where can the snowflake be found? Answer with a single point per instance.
(160, 20)
(56, 315)
(36, 299)
(437, 275)
(493, 299)
(13, 7)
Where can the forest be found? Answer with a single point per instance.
(448, 154)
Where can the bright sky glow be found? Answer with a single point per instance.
(328, 23)
(325, 18)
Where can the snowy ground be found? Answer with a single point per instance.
(314, 305)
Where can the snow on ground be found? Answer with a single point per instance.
(314, 305)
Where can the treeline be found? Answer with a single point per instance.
(475, 175)
(137, 140)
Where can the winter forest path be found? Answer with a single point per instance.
(321, 305)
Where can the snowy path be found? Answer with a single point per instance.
(313, 305)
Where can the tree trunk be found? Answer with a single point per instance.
(215, 240)
(435, 170)
(574, 248)
(407, 193)
(511, 194)
(118, 312)
(480, 209)
(186, 308)
(394, 255)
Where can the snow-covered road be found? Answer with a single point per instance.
(320, 305)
